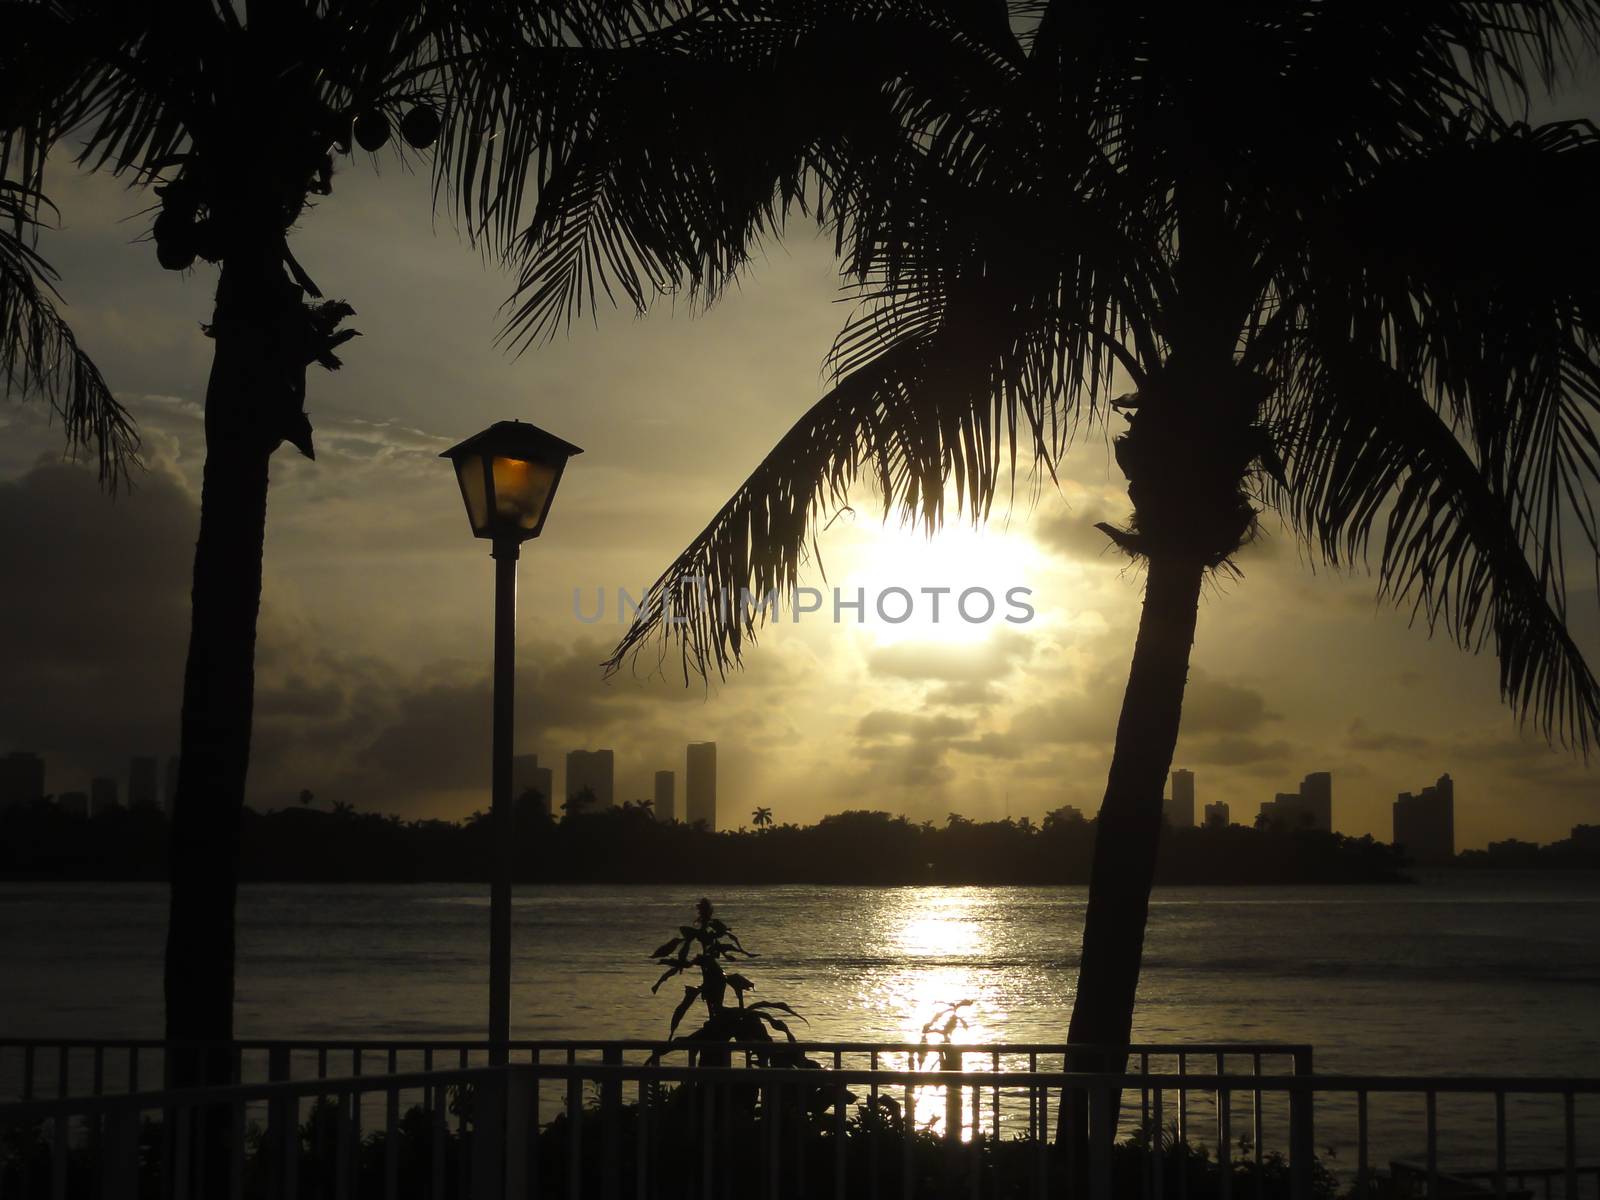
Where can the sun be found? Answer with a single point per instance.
(957, 587)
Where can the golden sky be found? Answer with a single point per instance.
(373, 666)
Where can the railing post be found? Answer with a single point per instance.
(1102, 1133)
(280, 1133)
(519, 1129)
(1302, 1131)
(119, 1170)
(289, 1152)
(60, 1133)
(489, 1137)
(346, 1163)
(611, 1128)
(951, 1063)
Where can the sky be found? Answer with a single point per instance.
(373, 664)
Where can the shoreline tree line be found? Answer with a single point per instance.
(628, 845)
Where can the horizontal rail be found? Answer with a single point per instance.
(801, 1077)
(470, 1044)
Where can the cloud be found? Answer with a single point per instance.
(1231, 751)
(883, 725)
(1362, 737)
(958, 663)
(994, 745)
(94, 615)
(1074, 536)
(970, 693)
(1215, 706)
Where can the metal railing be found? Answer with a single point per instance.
(33, 1068)
(615, 1129)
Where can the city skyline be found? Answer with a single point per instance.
(1423, 822)
(1311, 806)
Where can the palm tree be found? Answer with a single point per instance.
(1306, 251)
(231, 115)
(761, 818)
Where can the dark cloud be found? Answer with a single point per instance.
(94, 616)
(1074, 536)
(1362, 737)
(1231, 751)
(1216, 706)
(1083, 715)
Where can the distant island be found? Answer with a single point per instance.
(628, 845)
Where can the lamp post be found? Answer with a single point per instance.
(508, 476)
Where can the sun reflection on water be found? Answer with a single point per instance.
(941, 937)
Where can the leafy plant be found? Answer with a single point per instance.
(706, 945)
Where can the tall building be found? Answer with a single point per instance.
(1217, 814)
(1316, 792)
(700, 785)
(169, 790)
(666, 798)
(1310, 807)
(592, 769)
(142, 788)
(1425, 824)
(527, 775)
(102, 796)
(1179, 810)
(21, 779)
(1286, 811)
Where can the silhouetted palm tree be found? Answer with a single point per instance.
(761, 817)
(581, 803)
(231, 113)
(1306, 250)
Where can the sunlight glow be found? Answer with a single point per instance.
(958, 558)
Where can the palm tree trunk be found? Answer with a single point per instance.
(219, 678)
(1129, 828)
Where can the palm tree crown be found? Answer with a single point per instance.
(1259, 232)
(1308, 255)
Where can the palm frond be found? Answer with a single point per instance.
(42, 358)
(1366, 450)
(692, 144)
(947, 405)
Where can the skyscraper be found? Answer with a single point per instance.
(700, 785)
(1425, 824)
(1288, 811)
(527, 775)
(592, 769)
(1179, 810)
(1316, 791)
(666, 798)
(102, 796)
(1217, 814)
(21, 779)
(142, 788)
(1309, 807)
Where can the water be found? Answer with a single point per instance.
(1461, 974)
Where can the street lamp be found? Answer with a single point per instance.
(508, 476)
